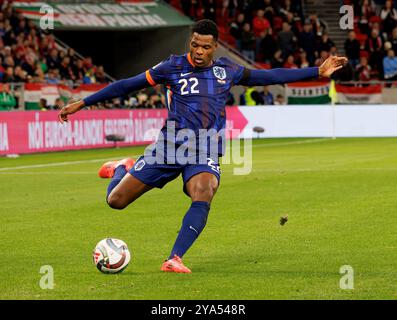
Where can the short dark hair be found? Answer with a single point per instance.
(206, 27)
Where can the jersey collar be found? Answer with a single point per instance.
(189, 58)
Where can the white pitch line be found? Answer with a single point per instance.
(56, 164)
(66, 163)
(323, 169)
(291, 142)
(47, 173)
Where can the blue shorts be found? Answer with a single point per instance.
(158, 175)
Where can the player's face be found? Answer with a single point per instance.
(202, 49)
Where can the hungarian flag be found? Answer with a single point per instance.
(308, 93)
(50, 92)
(82, 91)
(36, 91)
(371, 94)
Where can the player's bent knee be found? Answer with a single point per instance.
(115, 201)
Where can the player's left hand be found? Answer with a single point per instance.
(332, 64)
(68, 110)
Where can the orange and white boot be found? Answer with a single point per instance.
(175, 265)
(108, 168)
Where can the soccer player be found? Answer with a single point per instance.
(197, 89)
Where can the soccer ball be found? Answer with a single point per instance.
(111, 255)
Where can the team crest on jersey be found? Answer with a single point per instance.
(139, 165)
(219, 72)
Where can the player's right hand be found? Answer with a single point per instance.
(69, 109)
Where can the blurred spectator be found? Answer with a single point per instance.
(286, 40)
(9, 75)
(78, 70)
(251, 97)
(277, 60)
(308, 42)
(374, 46)
(7, 100)
(363, 70)
(53, 76)
(142, 99)
(29, 66)
(100, 75)
(260, 23)
(236, 29)
(155, 98)
(303, 63)
(267, 7)
(333, 51)
(267, 46)
(267, 96)
(59, 104)
(53, 60)
(393, 39)
(248, 42)
(229, 7)
(366, 11)
(2, 70)
(323, 56)
(43, 105)
(324, 43)
(279, 100)
(39, 75)
(65, 70)
(352, 49)
(72, 56)
(388, 16)
(289, 63)
(390, 65)
(317, 26)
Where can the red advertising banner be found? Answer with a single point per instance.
(39, 131)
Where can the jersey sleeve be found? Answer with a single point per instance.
(159, 73)
(238, 71)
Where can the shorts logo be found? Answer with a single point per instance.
(213, 165)
(219, 72)
(139, 165)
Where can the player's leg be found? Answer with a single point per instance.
(123, 188)
(142, 177)
(126, 191)
(201, 184)
(201, 189)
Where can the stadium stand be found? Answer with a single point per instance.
(30, 55)
(268, 33)
(260, 28)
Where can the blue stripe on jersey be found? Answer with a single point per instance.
(210, 82)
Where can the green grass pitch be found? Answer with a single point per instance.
(340, 196)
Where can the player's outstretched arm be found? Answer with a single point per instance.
(332, 64)
(284, 75)
(116, 89)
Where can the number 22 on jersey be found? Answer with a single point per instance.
(189, 86)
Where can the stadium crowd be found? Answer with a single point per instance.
(271, 33)
(278, 34)
(30, 55)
